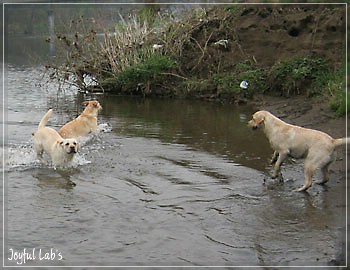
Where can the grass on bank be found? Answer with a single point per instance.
(336, 88)
(307, 75)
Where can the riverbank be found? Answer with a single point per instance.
(282, 50)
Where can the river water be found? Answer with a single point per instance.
(163, 183)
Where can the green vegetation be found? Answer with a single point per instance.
(151, 54)
(336, 89)
(148, 14)
(194, 85)
(149, 70)
(299, 73)
(312, 76)
(339, 103)
(247, 71)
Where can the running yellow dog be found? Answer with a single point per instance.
(84, 124)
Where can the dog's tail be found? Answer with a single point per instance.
(45, 118)
(341, 141)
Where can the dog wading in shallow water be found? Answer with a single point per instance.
(84, 124)
(46, 139)
(288, 140)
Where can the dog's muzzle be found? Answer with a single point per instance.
(72, 150)
(252, 125)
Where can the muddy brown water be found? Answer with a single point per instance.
(163, 183)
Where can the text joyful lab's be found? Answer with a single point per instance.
(25, 255)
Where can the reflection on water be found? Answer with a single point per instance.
(216, 128)
(173, 182)
(60, 179)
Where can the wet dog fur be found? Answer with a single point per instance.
(84, 124)
(288, 140)
(46, 139)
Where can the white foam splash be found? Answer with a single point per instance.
(93, 137)
(104, 127)
(79, 160)
(23, 157)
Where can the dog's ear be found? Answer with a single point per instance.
(60, 142)
(86, 103)
(260, 120)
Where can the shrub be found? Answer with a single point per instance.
(254, 75)
(297, 74)
(226, 82)
(337, 90)
(150, 69)
(339, 103)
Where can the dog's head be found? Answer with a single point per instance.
(92, 106)
(69, 146)
(257, 120)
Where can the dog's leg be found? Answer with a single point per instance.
(39, 153)
(325, 173)
(274, 157)
(309, 172)
(57, 158)
(277, 168)
(39, 156)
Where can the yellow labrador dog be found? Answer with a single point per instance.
(288, 140)
(84, 124)
(46, 139)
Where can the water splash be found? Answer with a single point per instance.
(23, 157)
(19, 157)
(93, 138)
(104, 127)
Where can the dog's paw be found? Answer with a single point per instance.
(321, 182)
(277, 175)
(273, 175)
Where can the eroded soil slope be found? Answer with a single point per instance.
(265, 35)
